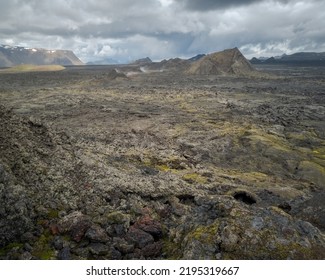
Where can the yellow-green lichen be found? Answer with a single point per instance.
(205, 234)
(312, 171)
(171, 250)
(172, 164)
(53, 213)
(163, 167)
(117, 218)
(194, 178)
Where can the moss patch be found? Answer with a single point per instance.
(313, 172)
(172, 250)
(205, 234)
(42, 248)
(5, 250)
(117, 218)
(194, 178)
(53, 214)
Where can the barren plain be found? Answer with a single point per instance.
(105, 163)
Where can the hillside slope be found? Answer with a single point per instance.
(230, 61)
(11, 56)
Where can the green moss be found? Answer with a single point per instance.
(45, 254)
(163, 167)
(255, 176)
(53, 214)
(205, 234)
(42, 249)
(272, 141)
(171, 250)
(117, 218)
(319, 153)
(291, 251)
(279, 251)
(187, 107)
(4, 251)
(313, 172)
(194, 178)
(172, 164)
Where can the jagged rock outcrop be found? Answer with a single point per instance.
(12, 55)
(230, 61)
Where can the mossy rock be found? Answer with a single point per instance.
(172, 164)
(202, 242)
(42, 248)
(171, 250)
(319, 153)
(194, 178)
(53, 214)
(5, 250)
(205, 234)
(118, 218)
(313, 172)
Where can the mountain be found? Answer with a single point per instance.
(196, 58)
(301, 58)
(304, 56)
(13, 55)
(255, 60)
(142, 61)
(270, 60)
(230, 61)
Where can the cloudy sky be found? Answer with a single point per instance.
(126, 30)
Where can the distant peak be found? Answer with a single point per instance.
(15, 55)
(197, 57)
(144, 60)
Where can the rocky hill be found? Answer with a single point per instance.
(143, 61)
(230, 61)
(174, 64)
(12, 55)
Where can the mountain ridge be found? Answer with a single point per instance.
(15, 55)
(295, 58)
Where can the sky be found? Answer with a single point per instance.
(126, 30)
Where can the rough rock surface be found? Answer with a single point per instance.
(160, 166)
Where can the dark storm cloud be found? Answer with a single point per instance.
(208, 5)
(205, 5)
(127, 30)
